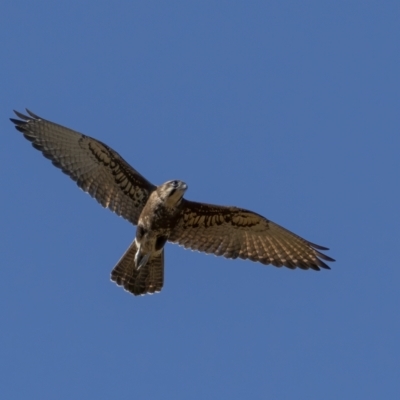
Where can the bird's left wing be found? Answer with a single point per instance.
(234, 232)
(96, 168)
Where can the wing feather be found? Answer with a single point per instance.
(96, 168)
(234, 232)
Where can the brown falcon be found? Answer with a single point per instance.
(161, 213)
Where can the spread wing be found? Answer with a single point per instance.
(233, 232)
(96, 168)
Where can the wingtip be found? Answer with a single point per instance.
(33, 115)
(22, 116)
(318, 247)
(16, 121)
(323, 265)
(325, 257)
(28, 117)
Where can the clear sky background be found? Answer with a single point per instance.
(287, 108)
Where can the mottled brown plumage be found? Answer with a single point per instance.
(148, 279)
(161, 213)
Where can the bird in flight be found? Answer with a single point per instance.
(161, 213)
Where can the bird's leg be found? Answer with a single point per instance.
(141, 259)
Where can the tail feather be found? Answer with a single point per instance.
(148, 279)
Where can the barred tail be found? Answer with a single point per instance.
(148, 279)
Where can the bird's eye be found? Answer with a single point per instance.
(175, 183)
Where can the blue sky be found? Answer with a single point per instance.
(290, 109)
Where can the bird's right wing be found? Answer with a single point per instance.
(96, 168)
(234, 232)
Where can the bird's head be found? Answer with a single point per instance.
(172, 192)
